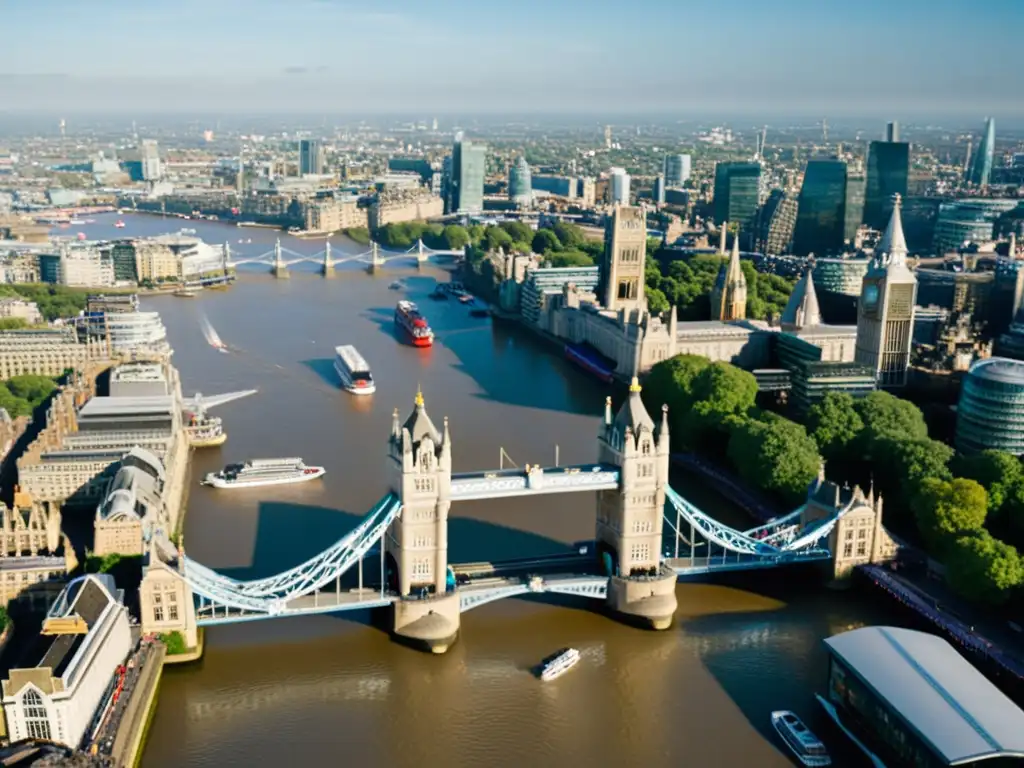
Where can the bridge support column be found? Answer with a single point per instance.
(376, 262)
(421, 254)
(426, 615)
(327, 270)
(279, 268)
(629, 518)
(166, 602)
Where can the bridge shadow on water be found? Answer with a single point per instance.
(765, 647)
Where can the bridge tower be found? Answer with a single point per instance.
(420, 463)
(328, 267)
(226, 261)
(166, 602)
(279, 269)
(421, 254)
(376, 262)
(629, 518)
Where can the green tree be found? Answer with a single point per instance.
(4, 618)
(656, 301)
(946, 510)
(545, 241)
(12, 323)
(721, 393)
(834, 424)
(455, 237)
(983, 568)
(902, 464)
(497, 239)
(885, 414)
(777, 455)
(568, 234)
(997, 471)
(670, 383)
(570, 259)
(32, 388)
(175, 643)
(521, 233)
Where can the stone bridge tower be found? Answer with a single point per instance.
(630, 518)
(420, 462)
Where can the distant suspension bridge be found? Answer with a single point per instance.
(279, 259)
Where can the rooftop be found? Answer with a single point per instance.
(106, 407)
(940, 695)
(1000, 369)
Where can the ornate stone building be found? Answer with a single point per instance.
(885, 312)
(729, 293)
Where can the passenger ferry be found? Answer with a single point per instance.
(263, 472)
(591, 361)
(353, 371)
(559, 663)
(805, 745)
(413, 324)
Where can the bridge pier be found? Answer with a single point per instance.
(649, 602)
(376, 262)
(429, 624)
(327, 270)
(279, 268)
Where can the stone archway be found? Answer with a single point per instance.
(391, 573)
(608, 558)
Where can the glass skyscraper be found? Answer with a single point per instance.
(469, 166)
(855, 184)
(821, 213)
(990, 414)
(981, 165)
(520, 184)
(888, 169)
(737, 192)
(677, 170)
(311, 157)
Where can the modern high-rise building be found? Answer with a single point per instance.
(149, 157)
(311, 157)
(618, 188)
(625, 248)
(892, 131)
(854, 213)
(981, 165)
(520, 184)
(885, 312)
(737, 192)
(677, 170)
(658, 190)
(990, 414)
(776, 222)
(469, 166)
(821, 216)
(888, 170)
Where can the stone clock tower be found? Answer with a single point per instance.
(885, 312)
(625, 251)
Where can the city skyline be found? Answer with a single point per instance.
(323, 55)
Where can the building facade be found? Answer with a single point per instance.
(404, 204)
(888, 173)
(990, 414)
(776, 224)
(520, 182)
(468, 170)
(737, 192)
(980, 172)
(311, 157)
(44, 352)
(677, 170)
(625, 253)
(821, 217)
(618, 186)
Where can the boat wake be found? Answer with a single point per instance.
(211, 336)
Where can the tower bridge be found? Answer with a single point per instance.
(280, 259)
(647, 536)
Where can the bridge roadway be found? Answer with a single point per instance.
(504, 483)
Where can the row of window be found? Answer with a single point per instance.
(639, 552)
(424, 484)
(421, 567)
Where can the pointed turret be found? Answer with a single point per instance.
(893, 245)
(663, 436)
(608, 411)
(802, 309)
(729, 294)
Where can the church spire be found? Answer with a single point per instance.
(802, 309)
(729, 294)
(893, 246)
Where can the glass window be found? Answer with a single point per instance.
(37, 723)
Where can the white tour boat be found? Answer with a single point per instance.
(353, 371)
(559, 663)
(263, 472)
(807, 747)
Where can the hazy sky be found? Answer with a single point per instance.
(903, 58)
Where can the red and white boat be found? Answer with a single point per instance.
(413, 324)
(119, 224)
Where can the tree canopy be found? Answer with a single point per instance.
(983, 568)
(21, 395)
(834, 423)
(776, 454)
(948, 509)
(884, 414)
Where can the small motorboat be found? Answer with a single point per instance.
(557, 664)
(807, 747)
(396, 286)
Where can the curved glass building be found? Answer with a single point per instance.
(991, 410)
(520, 185)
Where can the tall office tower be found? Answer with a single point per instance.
(625, 252)
(737, 192)
(885, 312)
(311, 157)
(729, 293)
(855, 184)
(607, 137)
(821, 218)
(776, 222)
(892, 131)
(520, 184)
(658, 191)
(240, 175)
(981, 166)
(677, 170)
(888, 169)
(618, 186)
(469, 165)
(149, 156)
